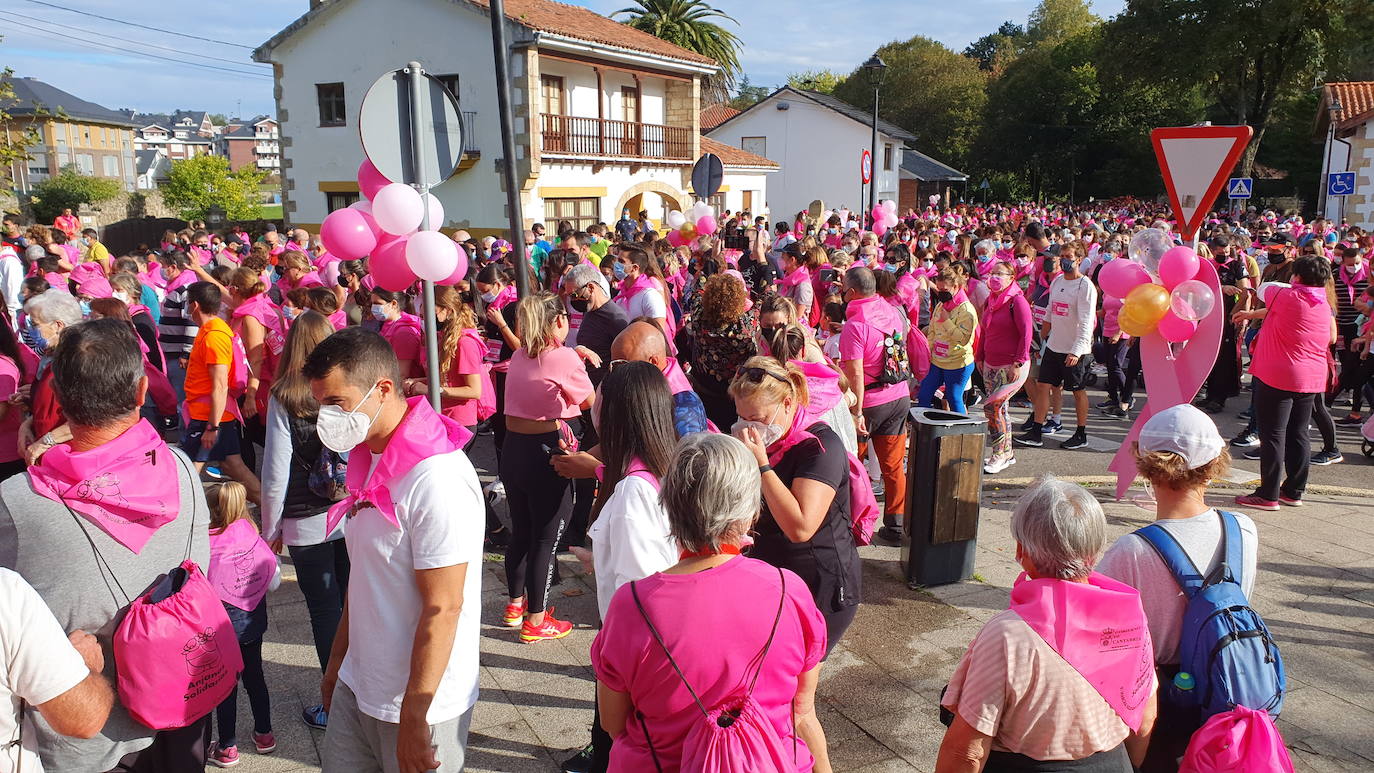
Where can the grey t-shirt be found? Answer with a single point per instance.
(41, 540)
(1133, 561)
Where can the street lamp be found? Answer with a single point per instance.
(1335, 109)
(874, 69)
(214, 217)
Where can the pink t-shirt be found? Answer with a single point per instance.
(1291, 351)
(466, 361)
(406, 337)
(714, 623)
(870, 321)
(550, 386)
(9, 426)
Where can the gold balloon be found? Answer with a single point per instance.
(689, 231)
(1147, 303)
(1134, 327)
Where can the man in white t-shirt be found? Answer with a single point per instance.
(44, 669)
(402, 677)
(640, 294)
(1067, 359)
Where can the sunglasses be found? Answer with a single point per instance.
(757, 374)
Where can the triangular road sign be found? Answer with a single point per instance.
(1196, 162)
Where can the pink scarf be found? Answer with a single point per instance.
(795, 434)
(823, 387)
(677, 380)
(339, 319)
(261, 308)
(420, 435)
(1312, 295)
(504, 298)
(796, 277)
(203, 255)
(127, 488)
(642, 282)
(959, 298)
(184, 279)
(997, 300)
(1099, 628)
(1350, 280)
(241, 565)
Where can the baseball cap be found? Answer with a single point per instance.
(1185, 431)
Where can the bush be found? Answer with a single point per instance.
(194, 185)
(69, 190)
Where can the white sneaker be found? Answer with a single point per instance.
(495, 492)
(996, 465)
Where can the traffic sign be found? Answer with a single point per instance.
(1240, 187)
(866, 166)
(385, 125)
(1340, 183)
(1195, 162)
(707, 176)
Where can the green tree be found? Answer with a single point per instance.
(195, 184)
(747, 94)
(929, 90)
(692, 25)
(996, 50)
(1054, 21)
(69, 189)
(823, 81)
(16, 135)
(219, 119)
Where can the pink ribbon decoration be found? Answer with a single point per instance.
(1172, 380)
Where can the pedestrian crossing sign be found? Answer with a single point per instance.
(1240, 187)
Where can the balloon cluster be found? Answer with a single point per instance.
(884, 216)
(683, 227)
(384, 228)
(1159, 287)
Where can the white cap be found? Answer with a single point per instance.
(1183, 430)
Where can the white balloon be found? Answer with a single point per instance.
(397, 209)
(432, 255)
(362, 205)
(676, 219)
(889, 205)
(436, 212)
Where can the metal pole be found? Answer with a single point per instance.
(501, 52)
(1330, 145)
(417, 171)
(873, 185)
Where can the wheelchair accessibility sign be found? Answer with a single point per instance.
(1340, 184)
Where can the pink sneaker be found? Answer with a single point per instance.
(1257, 503)
(223, 757)
(266, 743)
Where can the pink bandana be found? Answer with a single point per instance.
(642, 282)
(796, 277)
(339, 319)
(127, 487)
(504, 298)
(795, 434)
(959, 298)
(1312, 295)
(998, 300)
(677, 380)
(1349, 280)
(241, 565)
(1099, 628)
(822, 386)
(261, 308)
(420, 435)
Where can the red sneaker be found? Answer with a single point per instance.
(549, 629)
(515, 614)
(1255, 502)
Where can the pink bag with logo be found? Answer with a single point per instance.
(1239, 739)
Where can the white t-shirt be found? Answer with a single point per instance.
(37, 664)
(1133, 561)
(630, 538)
(439, 506)
(649, 303)
(1071, 312)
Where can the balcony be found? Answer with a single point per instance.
(577, 136)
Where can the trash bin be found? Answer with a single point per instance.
(944, 491)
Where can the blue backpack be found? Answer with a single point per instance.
(1224, 644)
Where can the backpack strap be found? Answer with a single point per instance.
(1173, 555)
(1232, 549)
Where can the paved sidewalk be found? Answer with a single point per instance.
(880, 688)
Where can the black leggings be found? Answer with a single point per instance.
(1285, 451)
(498, 419)
(836, 623)
(255, 684)
(534, 493)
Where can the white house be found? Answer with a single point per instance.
(606, 116)
(180, 135)
(153, 167)
(818, 141)
(1350, 147)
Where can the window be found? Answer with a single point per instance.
(450, 82)
(85, 163)
(551, 94)
(718, 203)
(335, 201)
(756, 145)
(331, 99)
(38, 165)
(629, 104)
(748, 202)
(887, 157)
(580, 212)
(111, 166)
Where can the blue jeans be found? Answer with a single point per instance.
(954, 382)
(322, 572)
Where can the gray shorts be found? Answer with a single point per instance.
(357, 743)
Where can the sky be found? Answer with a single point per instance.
(67, 44)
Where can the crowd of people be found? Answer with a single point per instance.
(701, 422)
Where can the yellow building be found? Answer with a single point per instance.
(97, 141)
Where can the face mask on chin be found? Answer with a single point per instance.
(342, 431)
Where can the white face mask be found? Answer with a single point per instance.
(379, 312)
(121, 296)
(341, 431)
(769, 432)
(488, 297)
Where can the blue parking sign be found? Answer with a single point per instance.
(1240, 187)
(1340, 183)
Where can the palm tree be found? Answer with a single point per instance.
(688, 23)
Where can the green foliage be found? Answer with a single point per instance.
(931, 91)
(16, 136)
(995, 51)
(219, 119)
(1054, 21)
(69, 190)
(692, 25)
(748, 95)
(194, 184)
(823, 81)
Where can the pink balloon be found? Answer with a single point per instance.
(707, 225)
(880, 227)
(387, 264)
(674, 238)
(1177, 266)
(461, 272)
(398, 209)
(370, 180)
(348, 233)
(431, 255)
(1175, 329)
(1120, 276)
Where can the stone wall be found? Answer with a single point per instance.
(135, 204)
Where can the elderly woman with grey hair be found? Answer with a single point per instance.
(51, 313)
(1064, 679)
(680, 643)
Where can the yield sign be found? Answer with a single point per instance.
(1196, 161)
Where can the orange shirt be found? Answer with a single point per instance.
(214, 345)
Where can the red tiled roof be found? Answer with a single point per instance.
(586, 24)
(1357, 103)
(715, 115)
(733, 156)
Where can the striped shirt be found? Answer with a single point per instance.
(176, 331)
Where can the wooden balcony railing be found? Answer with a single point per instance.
(579, 136)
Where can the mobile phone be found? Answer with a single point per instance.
(552, 451)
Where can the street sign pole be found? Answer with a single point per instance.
(417, 148)
(517, 218)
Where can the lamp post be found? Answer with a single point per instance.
(1334, 109)
(875, 68)
(214, 217)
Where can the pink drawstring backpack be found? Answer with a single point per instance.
(1239, 739)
